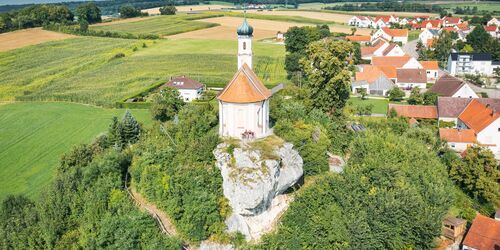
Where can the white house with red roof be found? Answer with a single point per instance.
(393, 35)
(427, 36)
(188, 88)
(244, 101)
(360, 21)
(484, 234)
(451, 21)
(384, 21)
(493, 30)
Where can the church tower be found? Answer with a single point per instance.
(245, 32)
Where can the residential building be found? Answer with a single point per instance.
(484, 234)
(494, 21)
(451, 86)
(458, 139)
(359, 39)
(431, 24)
(493, 30)
(432, 70)
(188, 88)
(427, 36)
(378, 48)
(411, 78)
(400, 62)
(470, 63)
(373, 80)
(414, 111)
(360, 21)
(244, 101)
(451, 21)
(393, 35)
(449, 108)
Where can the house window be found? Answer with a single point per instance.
(244, 45)
(453, 145)
(498, 129)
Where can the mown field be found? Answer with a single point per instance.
(86, 70)
(34, 135)
(160, 25)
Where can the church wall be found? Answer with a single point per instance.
(236, 118)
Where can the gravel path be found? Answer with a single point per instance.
(410, 48)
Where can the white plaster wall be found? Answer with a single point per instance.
(402, 39)
(366, 86)
(189, 95)
(412, 64)
(458, 146)
(466, 92)
(244, 52)
(432, 75)
(396, 51)
(491, 135)
(411, 85)
(235, 118)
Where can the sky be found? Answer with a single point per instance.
(11, 2)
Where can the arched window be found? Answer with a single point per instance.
(244, 45)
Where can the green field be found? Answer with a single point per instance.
(379, 105)
(488, 6)
(160, 25)
(84, 69)
(413, 35)
(34, 135)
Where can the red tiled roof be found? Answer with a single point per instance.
(449, 29)
(483, 234)
(396, 61)
(431, 65)
(358, 38)
(385, 19)
(245, 87)
(457, 135)
(389, 71)
(447, 85)
(389, 48)
(434, 23)
(415, 111)
(462, 26)
(411, 75)
(370, 74)
(182, 83)
(478, 116)
(451, 20)
(396, 32)
(491, 28)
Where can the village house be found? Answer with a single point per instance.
(451, 21)
(427, 36)
(493, 30)
(432, 70)
(393, 35)
(384, 21)
(188, 88)
(415, 113)
(244, 101)
(399, 62)
(430, 24)
(378, 47)
(494, 21)
(280, 36)
(360, 21)
(458, 139)
(484, 234)
(451, 86)
(411, 78)
(359, 39)
(373, 80)
(471, 63)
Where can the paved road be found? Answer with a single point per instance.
(492, 93)
(410, 48)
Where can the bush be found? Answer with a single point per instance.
(416, 98)
(396, 94)
(77, 30)
(128, 11)
(168, 10)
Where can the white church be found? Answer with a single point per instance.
(244, 102)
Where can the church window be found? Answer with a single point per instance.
(244, 45)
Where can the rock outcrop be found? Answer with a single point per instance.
(255, 177)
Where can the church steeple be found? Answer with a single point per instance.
(245, 34)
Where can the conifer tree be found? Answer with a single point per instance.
(130, 128)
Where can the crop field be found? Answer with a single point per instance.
(488, 6)
(187, 8)
(160, 25)
(23, 38)
(228, 25)
(33, 136)
(332, 17)
(88, 70)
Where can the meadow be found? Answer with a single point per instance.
(379, 105)
(102, 71)
(488, 6)
(34, 135)
(160, 25)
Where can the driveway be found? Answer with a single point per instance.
(410, 48)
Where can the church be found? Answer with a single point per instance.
(244, 101)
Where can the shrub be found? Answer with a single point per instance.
(396, 94)
(168, 10)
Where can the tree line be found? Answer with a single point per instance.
(388, 6)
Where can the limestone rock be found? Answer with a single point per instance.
(253, 176)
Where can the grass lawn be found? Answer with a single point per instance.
(413, 35)
(160, 25)
(84, 69)
(379, 105)
(34, 135)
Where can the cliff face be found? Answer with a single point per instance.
(255, 177)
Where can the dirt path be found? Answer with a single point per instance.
(166, 225)
(26, 37)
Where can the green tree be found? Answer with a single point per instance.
(430, 98)
(396, 94)
(166, 104)
(442, 47)
(168, 10)
(89, 12)
(478, 174)
(326, 68)
(353, 31)
(131, 129)
(5, 22)
(128, 11)
(362, 92)
(467, 48)
(479, 39)
(415, 98)
(84, 25)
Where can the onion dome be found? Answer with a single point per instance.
(245, 29)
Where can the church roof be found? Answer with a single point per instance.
(245, 87)
(245, 29)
